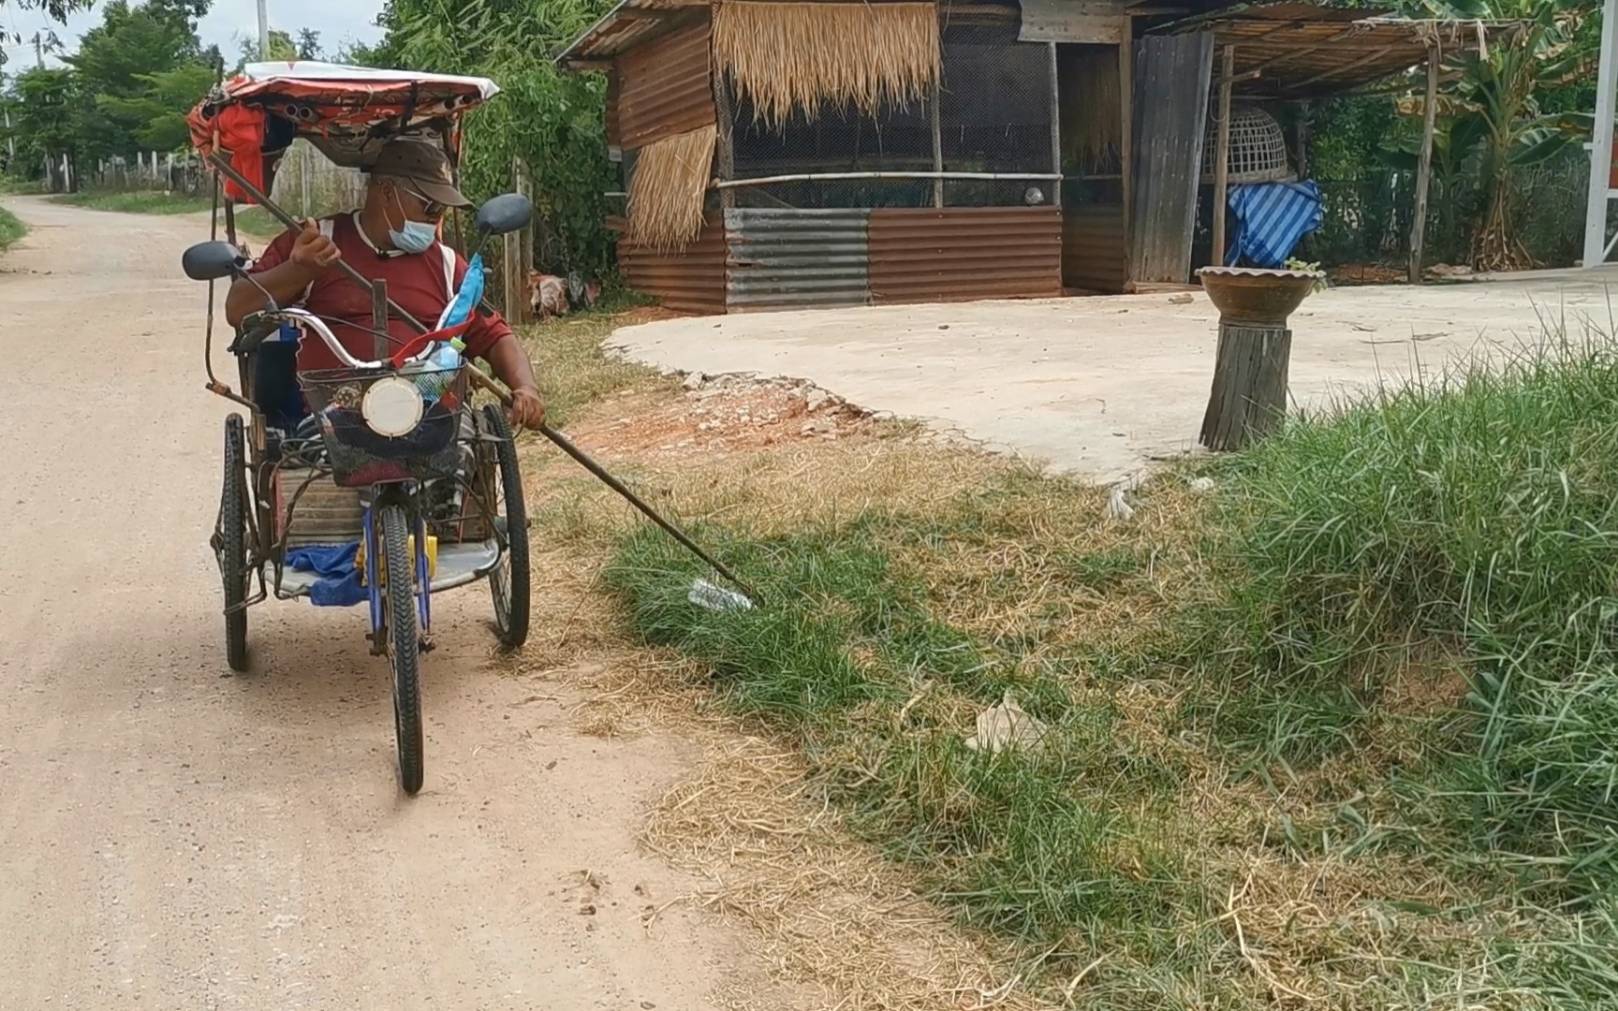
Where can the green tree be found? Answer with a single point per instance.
(1498, 115)
(308, 44)
(128, 62)
(49, 116)
(552, 122)
(161, 105)
(58, 9)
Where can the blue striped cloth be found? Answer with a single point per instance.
(1271, 219)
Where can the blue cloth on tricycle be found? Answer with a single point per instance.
(339, 582)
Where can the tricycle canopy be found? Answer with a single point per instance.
(346, 112)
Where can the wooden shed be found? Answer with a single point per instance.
(780, 155)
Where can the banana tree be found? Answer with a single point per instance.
(1495, 120)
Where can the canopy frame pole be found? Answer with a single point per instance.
(1600, 192)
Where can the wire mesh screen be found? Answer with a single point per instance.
(993, 116)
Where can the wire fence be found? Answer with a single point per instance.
(1367, 220)
(992, 115)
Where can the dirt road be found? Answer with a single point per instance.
(177, 838)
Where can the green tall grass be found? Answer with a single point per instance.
(1461, 533)
(1386, 659)
(11, 229)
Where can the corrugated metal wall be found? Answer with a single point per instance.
(665, 87)
(691, 280)
(614, 135)
(1094, 255)
(794, 259)
(960, 253)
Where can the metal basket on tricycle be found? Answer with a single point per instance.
(429, 422)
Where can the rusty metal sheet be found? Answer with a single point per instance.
(794, 259)
(687, 280)
(665, 87)
(1094, 255)
(961, 253)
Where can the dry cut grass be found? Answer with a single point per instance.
(789, 58)
(666, 192)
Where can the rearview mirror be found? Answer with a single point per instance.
(504, 213)
(210, 261)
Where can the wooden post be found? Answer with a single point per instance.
(1126, 134)
(1227, 71)
(1300, 139)
(1249, 397)
(938, 144)
(379, 320)
(525, 244)
(724, 139)
(1424, 166)
(1056, 131)
(511, 260)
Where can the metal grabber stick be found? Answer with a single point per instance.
(487, 382)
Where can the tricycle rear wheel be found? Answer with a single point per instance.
(509, 582)
(230, 543)
(404, 644)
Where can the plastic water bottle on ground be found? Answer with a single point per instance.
(716, 598)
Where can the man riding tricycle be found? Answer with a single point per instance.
(363, 471)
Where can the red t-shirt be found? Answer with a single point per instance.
(417, 282)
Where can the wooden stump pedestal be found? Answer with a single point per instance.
(1249, 398)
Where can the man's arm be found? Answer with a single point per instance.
(310, 254)
(511, 366)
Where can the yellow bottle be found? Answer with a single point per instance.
(410, 548)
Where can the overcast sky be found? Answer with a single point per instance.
(337, 21)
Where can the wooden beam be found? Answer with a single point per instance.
(1126, 131)
(1291, 55)
(1370, 57)
(724, 139)
(1424, 167)
(1056, 126)
(938, 145)
(1300, 138)
(1222, 154)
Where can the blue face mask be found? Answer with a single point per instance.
(414, 236)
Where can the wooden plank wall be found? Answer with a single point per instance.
(1171, 103)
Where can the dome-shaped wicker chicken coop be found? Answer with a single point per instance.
(1258, 149)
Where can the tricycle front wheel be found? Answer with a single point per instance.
(509, 582)
(404, 644)
(230, 543)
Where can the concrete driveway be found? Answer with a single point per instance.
(1102, 386)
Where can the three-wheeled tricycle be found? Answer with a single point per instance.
(384, 484)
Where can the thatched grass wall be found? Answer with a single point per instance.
(799, 56)
(667, 189)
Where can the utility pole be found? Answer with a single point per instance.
(263, 30)
(39, 51)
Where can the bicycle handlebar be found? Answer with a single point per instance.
(292, 314)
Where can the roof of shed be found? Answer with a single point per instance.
(630, 23)
(1300, 50)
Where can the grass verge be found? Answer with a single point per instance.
(11, 229)
(1341, 733)
(135, 202)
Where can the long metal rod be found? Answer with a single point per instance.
(485, 381)
(799, 177)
